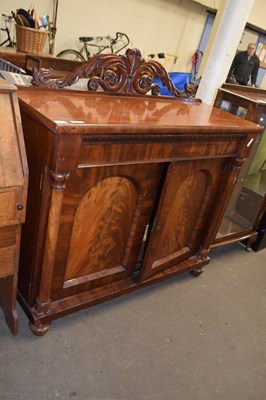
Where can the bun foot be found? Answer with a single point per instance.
(250, 242)
(40, 329)
(248, 248)
(197, 271)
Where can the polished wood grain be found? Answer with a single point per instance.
(106, 207)
(100, 114)
(148, 181)
(113, 230)
(13, 190)
(178, 229)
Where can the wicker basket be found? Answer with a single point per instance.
(30, 40)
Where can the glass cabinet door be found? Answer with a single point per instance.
(247, 198)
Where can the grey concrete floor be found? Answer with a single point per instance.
(184, 339)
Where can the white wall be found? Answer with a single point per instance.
(154, 26)
(169, 26)
(256, 16)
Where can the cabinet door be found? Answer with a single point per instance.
(188, 196)
(104, 215)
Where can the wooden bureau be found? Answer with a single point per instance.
(124, 190)
(13, 190)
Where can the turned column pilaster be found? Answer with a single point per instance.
(218, 214)
(58, 184)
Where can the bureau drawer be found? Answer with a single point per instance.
(9, 212)
(7, 261)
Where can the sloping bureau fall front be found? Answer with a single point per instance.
(13, 196)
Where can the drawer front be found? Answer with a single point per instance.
(91, 151)
(94, 153)
(9, 204)
(7, 261)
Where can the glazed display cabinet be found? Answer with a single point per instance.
(247, 206)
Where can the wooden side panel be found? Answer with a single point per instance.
(7, 250)
(9, 253)
(189, 194)
(104, 216)
(7, 259)
(39, 145)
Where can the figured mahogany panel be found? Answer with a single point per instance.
(101, 227)
(182, 215)
(182, 206)
(104, 216)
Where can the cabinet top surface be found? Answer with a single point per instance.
(64, 110)
(254, 95)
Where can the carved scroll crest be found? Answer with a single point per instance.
(122, 74)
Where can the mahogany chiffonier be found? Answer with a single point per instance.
(246, 209)
(124, 191)
(13, 191)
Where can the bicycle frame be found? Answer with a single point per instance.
(115, 45)
(111, 45)
(8, 40)
(120, 34)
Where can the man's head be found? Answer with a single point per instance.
(251, 49)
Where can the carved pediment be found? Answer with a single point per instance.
(121, 74)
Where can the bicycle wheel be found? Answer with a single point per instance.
(70, 54)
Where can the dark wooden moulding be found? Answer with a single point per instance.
(125, 190)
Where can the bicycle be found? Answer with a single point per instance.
(101, 43)
(8, 20)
